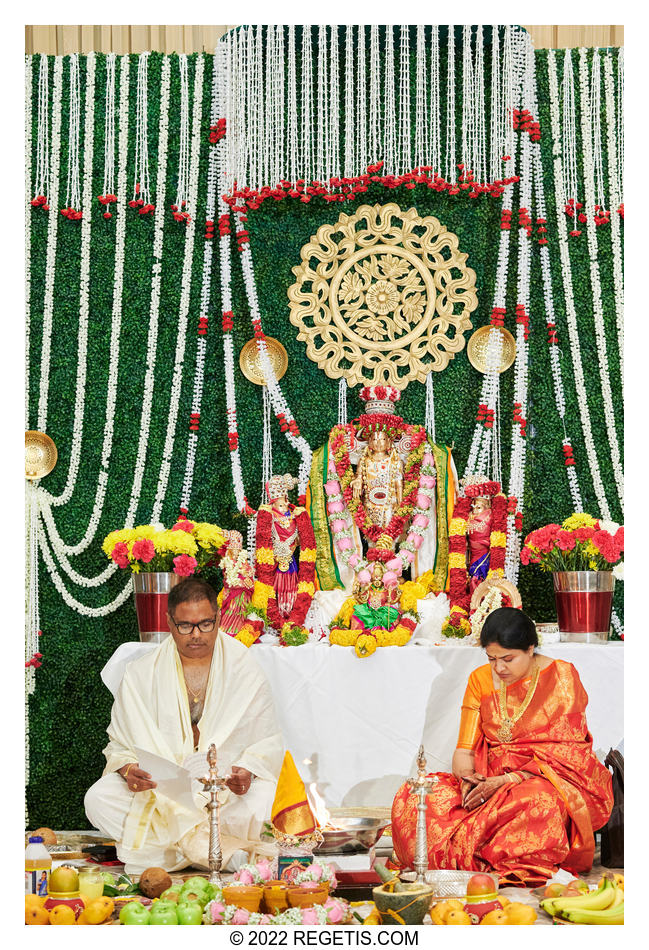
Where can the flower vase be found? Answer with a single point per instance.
(584, 601)
(151, 593)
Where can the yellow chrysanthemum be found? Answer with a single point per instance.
(308, 554)
(457, 526)
(306, 587)
(427, 580)
(264, 556)
(457, 560)
(112, 539)
(219, 598)
(342, 638)
(209, 536)
(591, 551)
(143, 531)
(579, 520)
(498, 539)
(365, 645)
(135, 568)
(246, 636)
(411, 592)
(496, 572)
(175, 542)
(261, 595)
(345, 613)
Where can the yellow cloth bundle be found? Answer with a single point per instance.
(291, 813)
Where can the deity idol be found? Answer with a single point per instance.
(283, 529)
(238, 584)
(479, 527)
(377, 605)
(380, 490)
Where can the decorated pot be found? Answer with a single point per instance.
(308, 894)
(478, 907)
(275, 896)
(584, 601)
(247, 896)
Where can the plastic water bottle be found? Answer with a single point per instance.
(38, 864)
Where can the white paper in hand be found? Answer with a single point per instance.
(196, 765)
(173, 781)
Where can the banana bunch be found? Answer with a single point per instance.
(605, 905)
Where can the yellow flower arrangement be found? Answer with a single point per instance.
(175, 542)
(427, 580)
(411, 592)
(261, 594)
(246, 635)
(308, 554)
(365, 645)
(342, 637)
(264, 556)
(306, 587)
(344, 615)
(498, 539)
(457, 560)
(209, 536)
(579, 520)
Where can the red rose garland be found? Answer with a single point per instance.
(265, 566)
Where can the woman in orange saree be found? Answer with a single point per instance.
(526, 792)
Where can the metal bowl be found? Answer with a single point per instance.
(451, 883)
(351, 835)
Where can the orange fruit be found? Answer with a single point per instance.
(36, 914)
(62, 914)
(96, 912)
(495, 917)
(109, 905)
(457, 917)
(517, 913)
(33, 900)
(82, 919)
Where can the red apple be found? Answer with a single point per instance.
(480, 885)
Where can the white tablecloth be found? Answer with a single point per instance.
(360, 722)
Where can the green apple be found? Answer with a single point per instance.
(195, 883)
(108, 878)
(190, 913)
(172, 894)
(134, 913)
(190, 897)
(163, 913)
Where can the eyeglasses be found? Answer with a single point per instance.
(185, 629)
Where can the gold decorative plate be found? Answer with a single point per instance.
(505, 586)
(477, 349)
(40, 454)
(250, 361)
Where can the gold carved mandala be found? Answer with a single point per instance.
(382, 296)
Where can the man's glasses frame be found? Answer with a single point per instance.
(185, 629)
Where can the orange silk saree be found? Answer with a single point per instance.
(525, 831)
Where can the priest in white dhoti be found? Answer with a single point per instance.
(198, 687)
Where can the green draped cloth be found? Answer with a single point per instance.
(376, 616)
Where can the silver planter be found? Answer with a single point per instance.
(584, 600)
(151, 591)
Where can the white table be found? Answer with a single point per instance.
(360, 722)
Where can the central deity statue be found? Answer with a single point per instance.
(381, 491)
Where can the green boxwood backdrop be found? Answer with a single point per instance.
(70, 708)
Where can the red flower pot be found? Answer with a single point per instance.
(584, 601)
(151, 593)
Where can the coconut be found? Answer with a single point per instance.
(46, 834)
(154, 881)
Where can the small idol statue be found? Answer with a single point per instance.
(379, 477)
(238, 584)
(479, 528)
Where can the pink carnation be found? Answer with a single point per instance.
(119, 554)
(525, 556)
(364, 577)
(395, 564)
(584, 534)
(241, 916)
(185, 565)
(409, 556)
(619, 539)
(144, 550)
(187, 526)
(390, 578)
(332, 487)
(309, 916)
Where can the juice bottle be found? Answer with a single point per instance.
(91, 883)
(38, 864)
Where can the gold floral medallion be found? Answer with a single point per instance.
(382, 296)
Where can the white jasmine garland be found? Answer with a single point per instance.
(600, 331)
(52, 232)
(28, 214)
(47, 499)
(42, 179)
(566, 273)
(185, 292)
(615, 199)
(206, 284)
(73, 191)
(154, 310)
(109, 127)
(141, 169)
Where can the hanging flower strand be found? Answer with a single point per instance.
(108, 195)
(141, 190)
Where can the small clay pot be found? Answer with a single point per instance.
(306, 895)
(247, 896)
(275, 896)
(407, 906)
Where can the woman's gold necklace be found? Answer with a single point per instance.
(505, 732)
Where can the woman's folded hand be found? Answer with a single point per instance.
(482, 790)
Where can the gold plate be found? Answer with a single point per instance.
(477, 349)
(505, 586)
(40, 454)
(250, 361)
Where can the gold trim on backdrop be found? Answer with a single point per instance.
(383, 296)
(477, 349)
(40, 454)
(250, 361)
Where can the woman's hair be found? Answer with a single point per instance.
(510, 628)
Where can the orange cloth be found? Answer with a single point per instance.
(291, 812)
(525, 831)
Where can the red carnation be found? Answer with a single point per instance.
(119, 554)
(144, 550)
(184, 525)
(566, 540)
